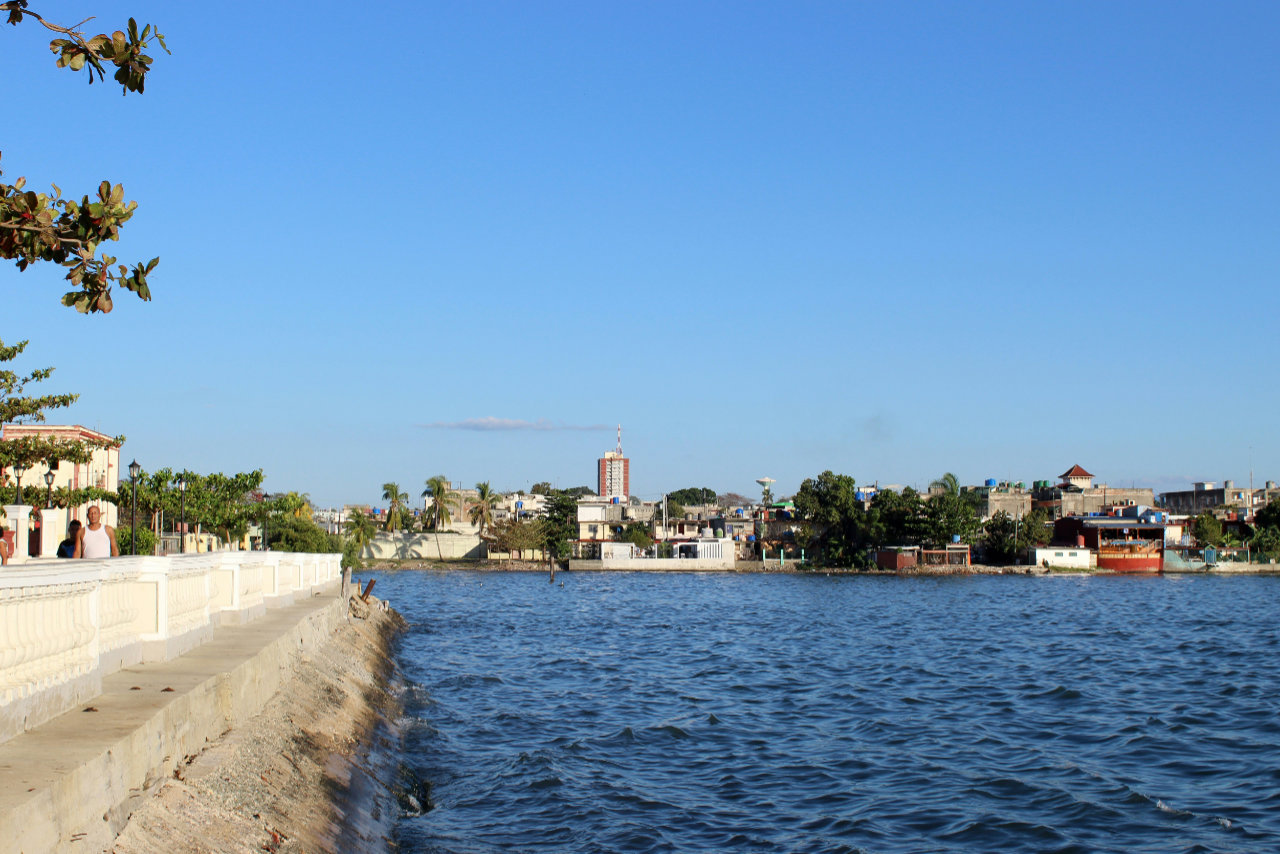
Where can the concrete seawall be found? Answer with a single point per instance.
(71, 783)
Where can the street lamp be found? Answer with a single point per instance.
(182, 488)
(48, 480)
(18, 469)
(134, 471)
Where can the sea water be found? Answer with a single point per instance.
(646, 712)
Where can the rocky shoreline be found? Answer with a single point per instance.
(305, 774)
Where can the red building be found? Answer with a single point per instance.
(614, 472)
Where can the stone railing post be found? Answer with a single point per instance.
(53, 530)
(17, 520)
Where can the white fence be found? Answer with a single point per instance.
(65, 624)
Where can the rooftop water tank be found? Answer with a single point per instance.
(991, 481)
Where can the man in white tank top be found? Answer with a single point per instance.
(96, 540)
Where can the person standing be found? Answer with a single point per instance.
(67, 548)
(96, 540)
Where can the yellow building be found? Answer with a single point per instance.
(102, 470)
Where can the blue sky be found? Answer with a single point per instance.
(891, 240)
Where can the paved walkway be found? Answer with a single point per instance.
(60, 779)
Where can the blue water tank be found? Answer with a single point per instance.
(991, 481)
(955, 538)
(751, 538)
(615, 499)
(861, 496)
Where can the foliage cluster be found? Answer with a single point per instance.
(1008, 537)
(519, 535)
(544, 487)
(843, 530)
(225, 504)
(637, 534)
(287, 532)
(1266, 532)
(692, 495)
(17, 407)
(1207, 530)
(37, 227)
(146, 541)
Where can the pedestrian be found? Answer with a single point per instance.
(67, 548)
(96, 540)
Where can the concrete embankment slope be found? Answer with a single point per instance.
(161, 759)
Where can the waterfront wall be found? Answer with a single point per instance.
(425, 547)
(64, 624)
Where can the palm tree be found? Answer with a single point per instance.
(948, 483)
(391, 493)
(482, 508)
(360, 528)
(438, 511)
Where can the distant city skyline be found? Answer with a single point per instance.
(887, 240)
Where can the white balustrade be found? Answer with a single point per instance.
(65, 624)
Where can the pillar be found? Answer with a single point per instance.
(53, 530)
(18, 516)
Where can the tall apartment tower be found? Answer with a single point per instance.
(614, 473)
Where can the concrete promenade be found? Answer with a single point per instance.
(69, 785)
(113, 671)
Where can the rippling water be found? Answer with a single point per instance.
(787, 713)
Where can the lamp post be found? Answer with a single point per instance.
(18, 469)
(265, 514)
(182, 489)
(134, 471)
(48, 480)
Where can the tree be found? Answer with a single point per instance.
(896, 519)
(1207, 530)
(836, 522)
(636, 534)
(441, 495)
(38, 227)
(220, 502)
(17, 407)
(1268, 517)
(223, 502)
(542, 487)
(948, 516)
(361, 528)
(691, 495)
(1266, 542)
(733, 499)
(395, 510)
(481, 511)
(519, 536)
(560, 526)
(948, 484)
(292, 533)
